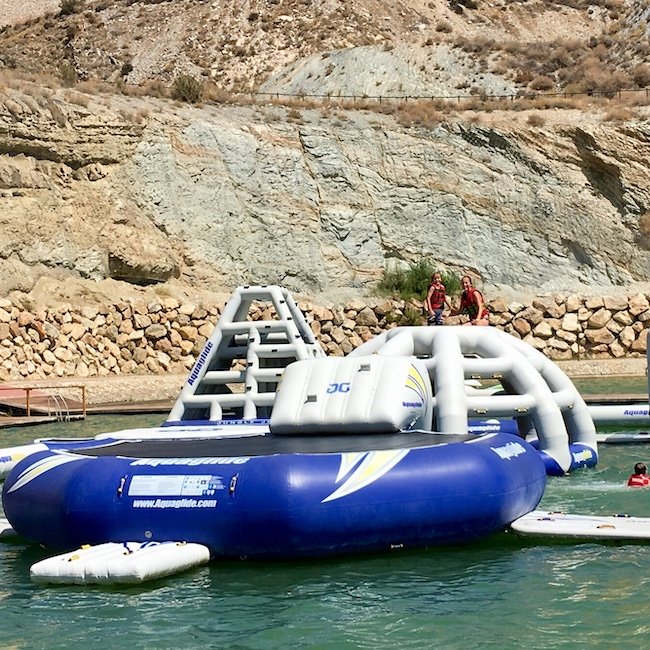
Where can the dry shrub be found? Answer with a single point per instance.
(215, 94)
(155, 88)
(241, 99)
(92, 18)
(599, 80)
(546, 102)
(294, 115)
(477, 104)
(641, 75)
(135, 117)
(476, 45)
(187, 89)
(620, 114)
(68, 74)
(355, 104)
(523, 77)
(632, 98)
(421, 113)
(644, 224)
(535, 120)
(69, 7)
(386, 108)
(77, 98)
(95, 87)
(542, 83)
(537, 102)
(308, 102)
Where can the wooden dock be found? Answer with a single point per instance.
(24, 421)
(29, 405)
(118, 408)
(43, 400)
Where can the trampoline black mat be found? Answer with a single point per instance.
(267, 445)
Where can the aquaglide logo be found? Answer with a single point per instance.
(199, 363)
(640, 411)
(509, 450)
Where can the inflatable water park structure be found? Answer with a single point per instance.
(366, 391)
(274, 449)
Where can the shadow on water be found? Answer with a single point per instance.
(88, 428)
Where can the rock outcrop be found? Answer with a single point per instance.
(315, 200)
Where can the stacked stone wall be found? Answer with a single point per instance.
(166, 336)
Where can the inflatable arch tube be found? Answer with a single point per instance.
(545, 397)
(12, 455)
(623, 438)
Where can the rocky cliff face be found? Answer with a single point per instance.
(317, 200)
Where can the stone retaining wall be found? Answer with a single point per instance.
(165, 337)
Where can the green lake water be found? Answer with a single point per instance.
(504, 592)
(607, 385)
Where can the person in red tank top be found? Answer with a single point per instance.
(472, 304)
(435, 300)
(640, 478)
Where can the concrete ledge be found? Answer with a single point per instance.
(604, 367)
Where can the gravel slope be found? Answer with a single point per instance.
(17, 11)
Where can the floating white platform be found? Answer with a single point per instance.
(5, 529)
(561, 525)
(126, 563)
(626, 414)
(623, 438)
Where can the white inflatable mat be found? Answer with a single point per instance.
(5, 528)
(112, 563)
(623, 438)
(562, 525)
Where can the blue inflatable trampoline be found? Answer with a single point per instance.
(272, 496)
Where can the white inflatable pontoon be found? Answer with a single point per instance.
(625, 415)
(126, 563)
(6, 530)
(589, 527)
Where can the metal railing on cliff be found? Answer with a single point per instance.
(528, 95)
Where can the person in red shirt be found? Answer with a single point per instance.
(640, 477)
(435, 300)
(472, 304)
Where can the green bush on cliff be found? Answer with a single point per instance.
(69, 7)
(187, 89)
(413, 281)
